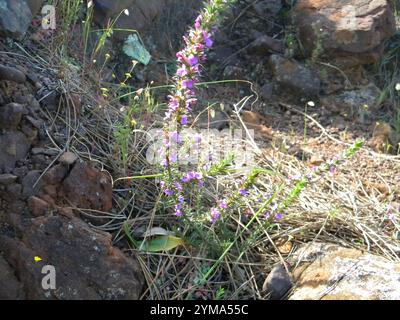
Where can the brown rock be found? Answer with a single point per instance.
(37, 206)
(88, 188)
(350, 31)
(265, 44)
(56, 174)
(68, 158)
(87, 266)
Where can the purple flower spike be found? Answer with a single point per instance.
(243, 192)
(181, 199)
(168, 192)
(207, 40)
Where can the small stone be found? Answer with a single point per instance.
(278, 282)
(266, 91)
(68, 158)
(265, 44)
(7, 178)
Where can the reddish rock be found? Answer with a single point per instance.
(87, 187)
(37, 206)
(55, 175)
(87, 266)
(346, 32)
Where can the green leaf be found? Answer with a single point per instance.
(162, 243)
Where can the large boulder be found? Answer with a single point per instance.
(87, 266)
(349, 31)
(15, 18)
(330, 272)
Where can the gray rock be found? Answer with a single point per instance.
(265, 44)
(295, 77)
(28, 184)
(278, 283)
(11, 74)
(267, 90)
(7, 178)
(10, 287)
(15, 18)
(10, 116)
(268, 7)
(14, 146)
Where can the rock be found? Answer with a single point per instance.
(11, 74)
(271, 7)
(219, 121)
(330, 272)
(359, 103)
(88, 188)
(37, 206)
(87, 266)
(55, 175)
(68, 158)
(7, 179)
(14, 146)
(384, 138)
(278, 283)
(348, 32)
(15, 18)
(233, 72)
(10, 287)
(142, 14)
(28, 183)
(10, 116)
(267, 90)
(265, 44)
(295, 77)
(35, 6)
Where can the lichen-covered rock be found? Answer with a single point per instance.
(349, 31)
(87, 266)
(15, 18)
(330, 272)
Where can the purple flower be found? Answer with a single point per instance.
(207, 40)
(278, 216)
(223, 205)
(179, 213)
(173, 158)
(332, 170)
(184, 120)
(182, 71)
(198, 21)
(197, 138)
(198, 175)
(181, 199)
(176, 137)
(215, 215)
(185, 179)
(187, 84)
(192, 60)
(243, 192)
(201, 183)
(168, 192)
(178, 186)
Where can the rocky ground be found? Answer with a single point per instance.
(56, 171)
